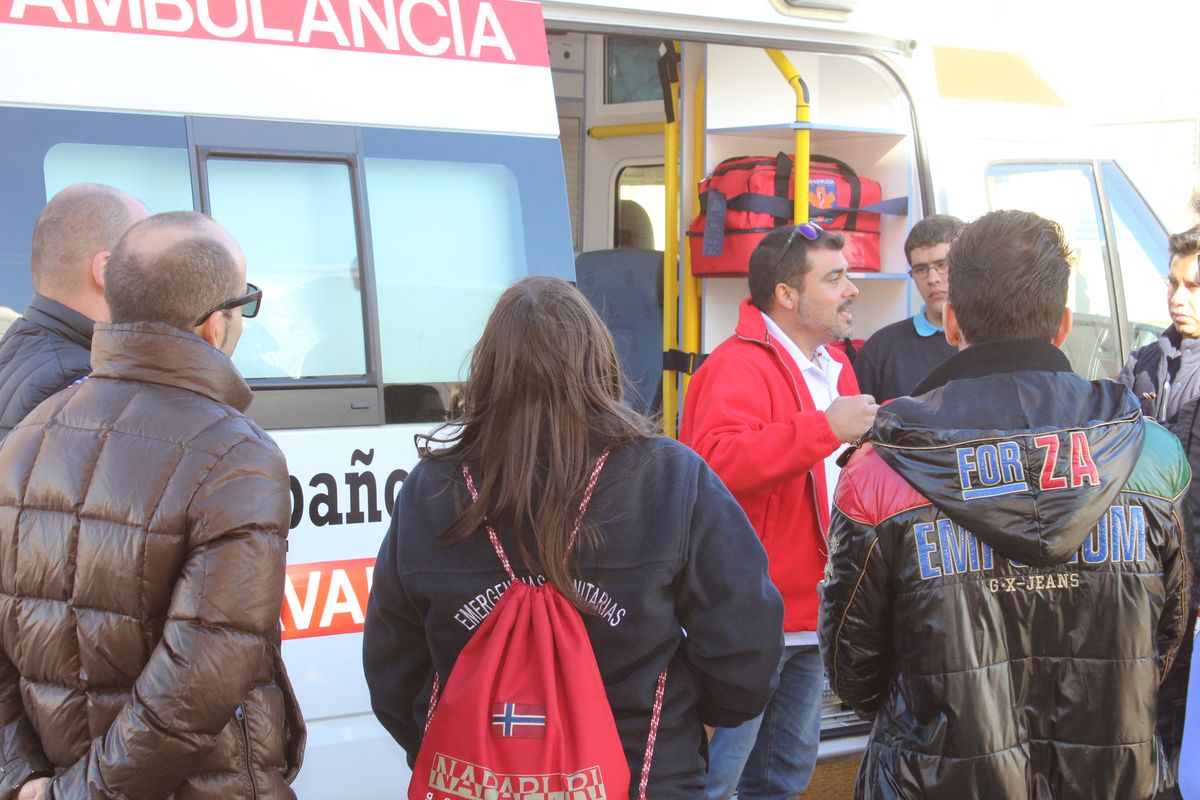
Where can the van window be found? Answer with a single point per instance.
(295, 222)
(1066, 193)
(641, 208)
(158, 176)
(448, 237)
(1144, 257)
(631, 70)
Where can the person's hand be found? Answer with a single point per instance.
(34, 789)
(852, 416)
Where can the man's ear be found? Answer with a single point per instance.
(99, 265)
(783, 296)
(1064, 327)
(950, 324)
(212, 330)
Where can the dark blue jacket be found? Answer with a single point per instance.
(679, 554)
(47, 349)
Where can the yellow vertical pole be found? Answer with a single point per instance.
(692, 286)
(800, 173)
(670, 393)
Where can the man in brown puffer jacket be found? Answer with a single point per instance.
(143, 525)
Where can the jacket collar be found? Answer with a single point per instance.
(993, 358)
(66, 322)
(751, 324)
(154, 352)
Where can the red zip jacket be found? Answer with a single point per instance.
(749, 414)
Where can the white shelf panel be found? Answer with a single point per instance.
(819, 132)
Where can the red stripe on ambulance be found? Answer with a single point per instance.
(496, 31)
(326, 598)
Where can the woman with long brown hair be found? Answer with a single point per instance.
(665, 569)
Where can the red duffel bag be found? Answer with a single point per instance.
(745, 198)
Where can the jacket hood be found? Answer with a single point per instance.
(1014, 447)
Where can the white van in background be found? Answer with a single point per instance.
(390, 166)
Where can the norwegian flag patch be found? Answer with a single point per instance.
(518, 721)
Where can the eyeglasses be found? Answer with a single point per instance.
(809, 230)
(941, 266)
(249, 303)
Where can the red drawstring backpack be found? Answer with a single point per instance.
(524, 714)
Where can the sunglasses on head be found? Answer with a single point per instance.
(249, 303)
(809, 230)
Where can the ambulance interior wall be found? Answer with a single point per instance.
(860, 116)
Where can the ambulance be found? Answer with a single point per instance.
(390, 166)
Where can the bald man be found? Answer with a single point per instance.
(49, 347)
(144, 520)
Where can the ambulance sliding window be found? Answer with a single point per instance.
(295, 222)
(158, 176)
(448, 237)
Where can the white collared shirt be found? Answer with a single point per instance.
(821, 374)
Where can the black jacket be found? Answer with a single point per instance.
(678, 554)
(1165, 376)
(47, 349)
(1007, 584)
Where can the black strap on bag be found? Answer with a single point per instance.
(783, 181)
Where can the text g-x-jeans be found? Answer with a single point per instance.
(774, 753)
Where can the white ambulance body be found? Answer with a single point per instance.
(389, 166)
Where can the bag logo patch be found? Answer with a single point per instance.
(462, 779)
(518, 721)
(822, 193)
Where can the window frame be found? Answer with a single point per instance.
(308, 402)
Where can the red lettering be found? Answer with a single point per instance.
(326, 598)
(1049, 443)
(1082, 466)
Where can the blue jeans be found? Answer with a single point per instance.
(772, 756)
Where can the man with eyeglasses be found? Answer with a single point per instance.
(768, 411)
(49, 346)
(144, 520)
(898, 356)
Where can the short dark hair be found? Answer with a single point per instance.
(934, 229)
(174, 283)
(1185, 244)
(78, 222)
(767, 269)
(1009, 272)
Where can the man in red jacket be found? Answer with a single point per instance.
(769, 411)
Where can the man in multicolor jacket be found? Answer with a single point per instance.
(1008, 580)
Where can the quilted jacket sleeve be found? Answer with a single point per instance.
(856, 615)
(221, 626)
(21, 755)
(1177, 575)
